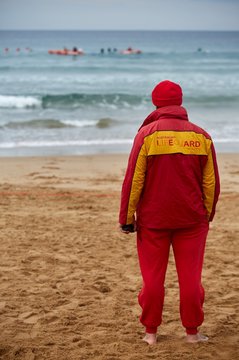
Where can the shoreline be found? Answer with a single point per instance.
(95, 150)
(93, 154)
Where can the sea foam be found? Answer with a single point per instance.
(19, 102)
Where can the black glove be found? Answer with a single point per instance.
(129, 228)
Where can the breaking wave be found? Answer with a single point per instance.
(115, 100)
(19, 102)
(58, 124)
(71, 101)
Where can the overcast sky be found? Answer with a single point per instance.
(120, 14)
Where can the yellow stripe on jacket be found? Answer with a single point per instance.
(137, 184)
(209, 183)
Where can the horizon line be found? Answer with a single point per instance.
(163, 30)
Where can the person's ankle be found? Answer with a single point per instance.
(150, 329)
(191, 331)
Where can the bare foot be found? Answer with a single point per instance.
(196, 338)
(151, 339)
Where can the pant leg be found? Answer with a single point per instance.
(188, 246)
(153, 252)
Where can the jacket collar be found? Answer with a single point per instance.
(172, 111)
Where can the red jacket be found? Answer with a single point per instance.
(172, 177)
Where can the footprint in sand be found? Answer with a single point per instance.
(29, 317)
(76, 339)
(35, 330)
(50, 317)
(51, 167)
(72, 305)
(101, 287)
(46, 177)
(33, 174)
(2, 304)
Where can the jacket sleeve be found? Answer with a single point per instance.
(211, 184)
(133, 181)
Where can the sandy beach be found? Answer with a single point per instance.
(69, 280)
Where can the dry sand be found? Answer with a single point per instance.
(69, 280)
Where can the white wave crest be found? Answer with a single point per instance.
(80, 123)
(36, 144)
(19, 102)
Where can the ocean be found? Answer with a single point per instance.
(94, 103)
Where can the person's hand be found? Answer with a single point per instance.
(128, 228)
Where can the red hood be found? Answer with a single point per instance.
(173, 111)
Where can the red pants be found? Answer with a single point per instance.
(153, 251)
